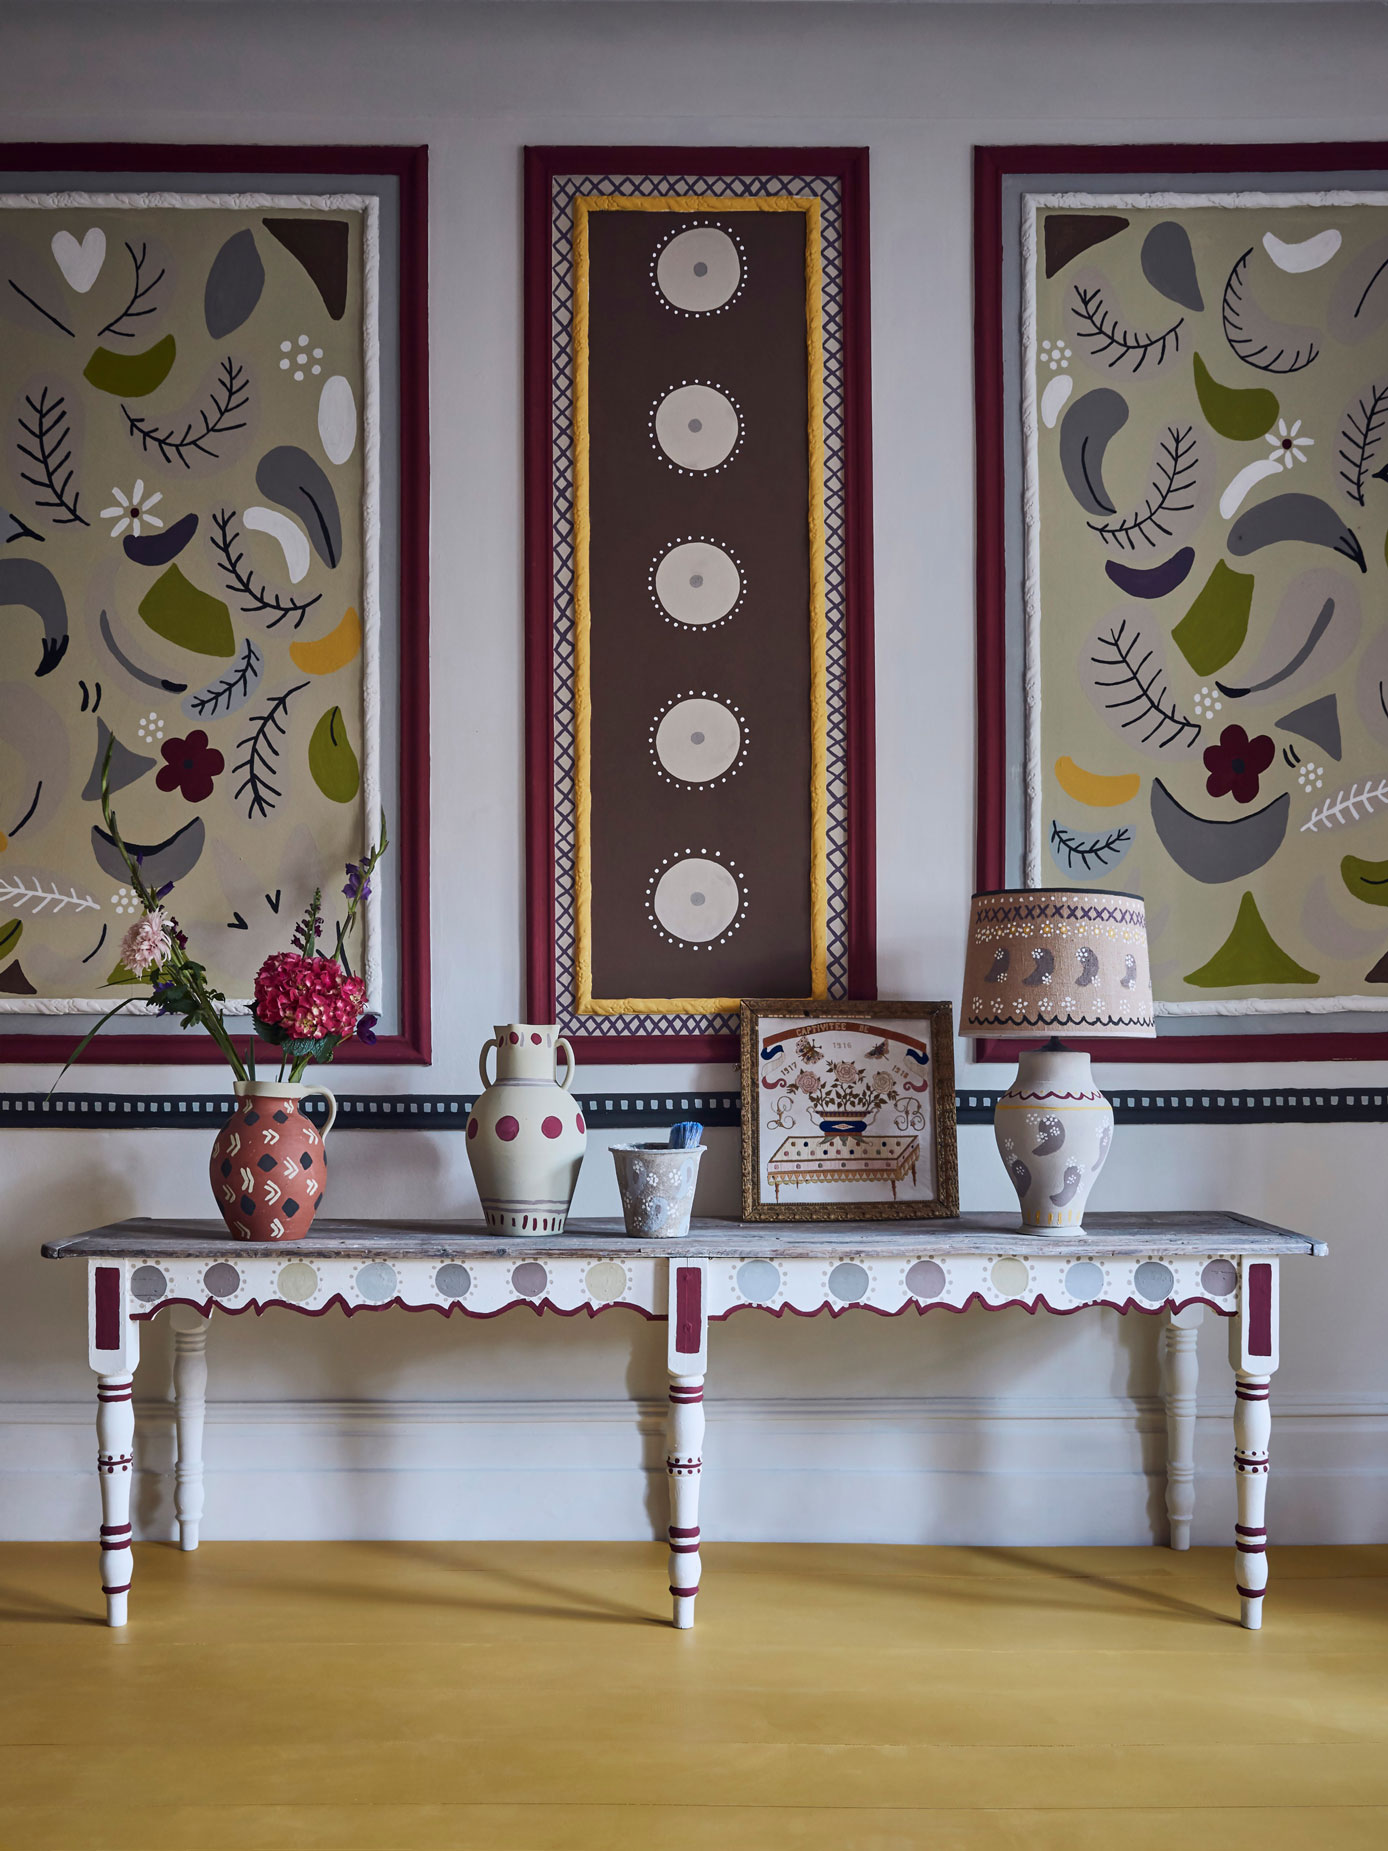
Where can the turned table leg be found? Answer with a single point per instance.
(1253, 1354)
(113, 1350)
(687, 1360)
(1182, 1378)
(190, 1407)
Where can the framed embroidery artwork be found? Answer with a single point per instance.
(699, 705)
(848, 1111)
(1182, 393)
(213, 569)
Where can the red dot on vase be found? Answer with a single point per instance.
(508, 1128)
(536, 1040)
(472, 1127)
(552, 1127)
(581, 1125)
(514, 1037)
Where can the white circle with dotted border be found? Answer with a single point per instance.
(697, 427)
(699, 270)
(695, 900)
(696, 583)
(697, 739)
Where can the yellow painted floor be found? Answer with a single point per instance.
(528, 1697)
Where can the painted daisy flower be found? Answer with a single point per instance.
(1286, 445)
(133, 511)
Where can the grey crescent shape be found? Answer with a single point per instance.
(1213, 850)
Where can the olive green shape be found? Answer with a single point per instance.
(1234, 411)
(184, 615)
(10, 934)
(1250, 955)
(1212, 631)
(332, 760)
(131, 375)
(1366, 880)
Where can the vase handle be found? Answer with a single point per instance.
(568, 1079)
(487, 1046)
(332, 1106)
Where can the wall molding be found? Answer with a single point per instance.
(973, 1469)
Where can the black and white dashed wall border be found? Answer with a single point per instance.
(631, 1111)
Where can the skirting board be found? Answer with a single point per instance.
(1006, 1470)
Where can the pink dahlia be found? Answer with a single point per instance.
(307, 998)
(147, 943)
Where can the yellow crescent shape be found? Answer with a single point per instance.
(1089, 786)
(330, 652)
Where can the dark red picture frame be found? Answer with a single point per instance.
(993, 166)
(409, 166)
(850, 166)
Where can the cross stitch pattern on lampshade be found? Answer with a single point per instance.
(1057, 961)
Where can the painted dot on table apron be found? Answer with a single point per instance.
(1009, 1276)
(552, 1127)
(297, 1281)
(376, 1281)
(849, 1281)
(529, 1278)
(758, 1280)
(221, 1279)
(453, 1280)
(1085, 1279)
(1153, 1280)
(1220, 1278)
(605, 1279)
(507, 1129)
(147, 1283)
(926, 1279)
(472, 1127)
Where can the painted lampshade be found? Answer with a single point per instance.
(1052, 961)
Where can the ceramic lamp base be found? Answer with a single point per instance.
(1054, 1128)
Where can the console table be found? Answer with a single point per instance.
(1171, 1265)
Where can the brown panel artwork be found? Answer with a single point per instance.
(700, 743)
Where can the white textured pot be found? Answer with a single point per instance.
(1054, 1128)
(526, 1136)
(657, 1183)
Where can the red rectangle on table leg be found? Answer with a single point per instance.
(108, 1307)
(1260, 1309)
(688, 1311)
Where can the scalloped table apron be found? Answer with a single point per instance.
(1171, 1265)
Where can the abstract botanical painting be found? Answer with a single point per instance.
(700, 821)
(190, 531)
(1203, 387)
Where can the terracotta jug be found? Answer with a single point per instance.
(526, 1136)
(268, 1171)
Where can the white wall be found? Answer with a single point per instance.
(990, 1427)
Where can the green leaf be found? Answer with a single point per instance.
(314, 1049)
(10, 934)
(90, 1036)
(331, 759)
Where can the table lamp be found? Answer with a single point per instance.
(1051, 961)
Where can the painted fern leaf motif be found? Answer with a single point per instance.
(1350, 806)
(1177, 463)
(1252, 350)
(230, 691)
(262, 749)
(1089, 854)
(1364, 430)
(42, 893)
(1137, 681)
(1109, 341)
(230, 394)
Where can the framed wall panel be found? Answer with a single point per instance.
(1182, 395)
(215, 484)
(698, 591)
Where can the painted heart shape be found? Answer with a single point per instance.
(80, 263)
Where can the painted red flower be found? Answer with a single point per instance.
(189, 766)
(1235, 764)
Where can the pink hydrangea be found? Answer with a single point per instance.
(307, 997)
(147, 942)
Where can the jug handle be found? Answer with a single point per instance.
(568, 1079)
(487, 1046)
(332, 1106)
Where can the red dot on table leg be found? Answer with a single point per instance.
(552, 1127)
(507, 1128)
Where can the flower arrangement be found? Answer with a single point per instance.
(307, 1003)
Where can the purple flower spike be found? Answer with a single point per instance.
(366, 1029)
(165, 889)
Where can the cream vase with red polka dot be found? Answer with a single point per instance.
(526, 1136)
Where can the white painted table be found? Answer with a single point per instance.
(1174, 1265)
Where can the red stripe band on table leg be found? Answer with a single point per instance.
(107, 1297)
(124, 1588)
(674, 1531)
(1259, 1287)
(689, 1310)
(1250, 1593)
(686, 1394)
(1249, 1529)
(1252, 1394)
(685, 1593)
(1251, 1548)
(110, 1548)
(115, 1529)
(684, 1548)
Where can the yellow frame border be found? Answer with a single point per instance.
(586, 1003)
